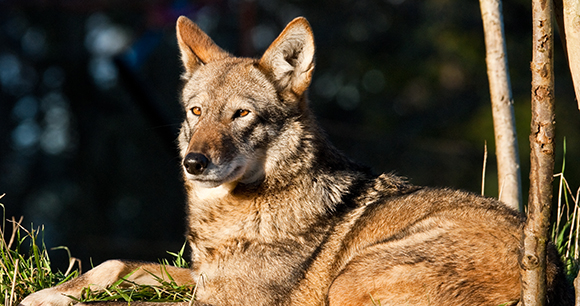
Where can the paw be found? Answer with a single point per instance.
(47, 297)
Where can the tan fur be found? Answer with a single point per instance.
(278, 216)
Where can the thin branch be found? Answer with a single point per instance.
(506, 148)
(484, 168)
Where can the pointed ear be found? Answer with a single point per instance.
(290, 58)
(196, 47)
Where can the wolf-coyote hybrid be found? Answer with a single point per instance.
(278, 216)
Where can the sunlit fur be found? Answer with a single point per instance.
(313, 227)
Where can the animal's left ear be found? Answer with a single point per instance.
(290, 58)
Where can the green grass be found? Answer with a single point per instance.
(565, 228)
(165, 291)
(25, 268)
(24, 264)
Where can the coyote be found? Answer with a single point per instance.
(278, 216)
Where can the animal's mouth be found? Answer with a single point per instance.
(215, 176)
(241, 169)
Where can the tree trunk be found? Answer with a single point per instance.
(568, 17)
(506, 148)
(571, 9)
(535, 234)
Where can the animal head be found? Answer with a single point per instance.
(238, 110)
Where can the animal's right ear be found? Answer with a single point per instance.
(196, 47)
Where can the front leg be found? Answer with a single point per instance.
(104, 275)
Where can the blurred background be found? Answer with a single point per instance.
(89, 104)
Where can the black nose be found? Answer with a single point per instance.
(195, 163)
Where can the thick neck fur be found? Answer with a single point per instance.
(306, 181)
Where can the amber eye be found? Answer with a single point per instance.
(196, 111)
(241, 113)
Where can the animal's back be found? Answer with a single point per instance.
(435, 247)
